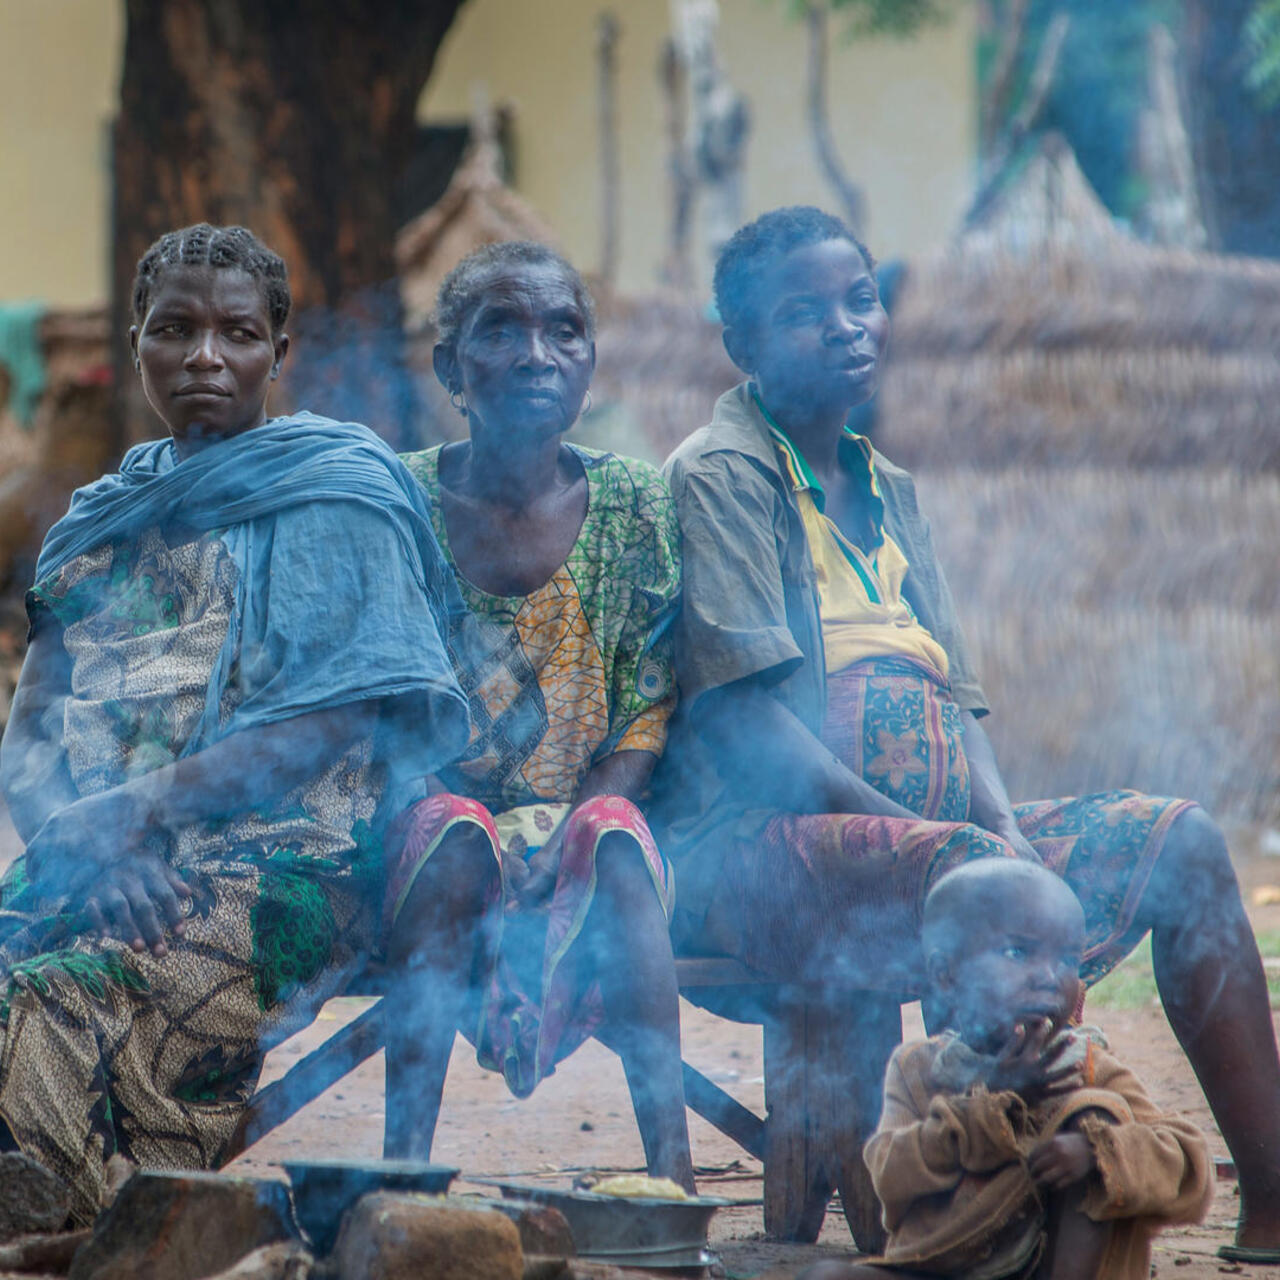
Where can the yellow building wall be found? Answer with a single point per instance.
(902, 114)
(59, 83)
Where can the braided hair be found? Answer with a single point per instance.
(223, 247)
(751, 248)
(462, 288)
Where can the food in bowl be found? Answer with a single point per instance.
(639, 1186)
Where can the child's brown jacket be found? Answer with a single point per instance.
(948, 1163)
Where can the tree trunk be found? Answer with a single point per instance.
(294, 118)
(1171, 206)
(607, 33)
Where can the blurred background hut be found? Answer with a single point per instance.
(1095, 426)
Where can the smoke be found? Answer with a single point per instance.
(350, 363)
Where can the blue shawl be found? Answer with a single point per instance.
(343, 595)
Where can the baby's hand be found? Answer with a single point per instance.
(1062, 1161)
(1029, 1065)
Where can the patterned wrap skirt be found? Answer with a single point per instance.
(105, 1050)
(843, 894)
(538, 1000)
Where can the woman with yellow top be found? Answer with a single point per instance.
(828, 764)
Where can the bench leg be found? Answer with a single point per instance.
(865, 1043)
(419, 1035)
(824, 1070)
(305, 1081)
(797, 1184)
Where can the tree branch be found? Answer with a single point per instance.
(847, 192)
(995, 101)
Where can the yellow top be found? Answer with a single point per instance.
(860, 601)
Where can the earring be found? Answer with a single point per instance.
(586, 404)
(459, 402)
(275, 372)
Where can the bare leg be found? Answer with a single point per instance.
(1214, 990)
(431, 952)
(1076, 1243)
(630, 949)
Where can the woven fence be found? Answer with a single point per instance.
(1126, 626)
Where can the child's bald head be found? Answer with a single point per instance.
(979, 892)
(1003, 941)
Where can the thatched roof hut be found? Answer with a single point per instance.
(477, 208)
(1081, 345)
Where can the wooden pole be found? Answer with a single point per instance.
(676, 268)
(607, 32)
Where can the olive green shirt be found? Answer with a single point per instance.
(750, 609)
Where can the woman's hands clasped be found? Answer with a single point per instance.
(530, 884)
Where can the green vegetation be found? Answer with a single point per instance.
(859, 18)
(1132, 984)
(1262, 51)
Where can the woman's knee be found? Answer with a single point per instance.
(624, 857)
(1193, 874)
(444, 870)
(622, 871)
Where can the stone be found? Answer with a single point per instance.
(32, 1199)
(284, 1260)
(539, 1267)
(398, 1236)
(543, 1229)
(51, 1254)
(182, 1226)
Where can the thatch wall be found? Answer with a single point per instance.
(1126, 625)
(662, 363)
(1066, 356)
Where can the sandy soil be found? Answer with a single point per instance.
(581, 1117)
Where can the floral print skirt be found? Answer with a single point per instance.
(839, 897)
(536, 1001)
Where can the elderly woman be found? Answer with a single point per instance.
(229, 638)
(830, 764)
(567, 561)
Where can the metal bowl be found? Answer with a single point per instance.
(623, 1229)
(323, 1190)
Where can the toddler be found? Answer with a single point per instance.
(1014, 1145)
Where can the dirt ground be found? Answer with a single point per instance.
(581, 1117)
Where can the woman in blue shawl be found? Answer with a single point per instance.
(226, 636)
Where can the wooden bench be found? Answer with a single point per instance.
(822, 1079)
